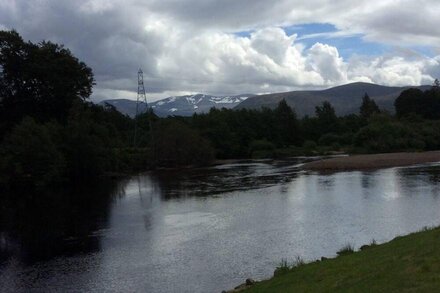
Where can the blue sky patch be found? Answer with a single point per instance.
(347, 45)
(311, 28)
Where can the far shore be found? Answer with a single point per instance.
(373, 161)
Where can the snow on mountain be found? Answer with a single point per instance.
(199, 103)
(346, 99)
(181, 105)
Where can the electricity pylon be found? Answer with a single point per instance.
(141, 98)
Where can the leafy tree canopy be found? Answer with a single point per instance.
(414, 101)
(39, 80)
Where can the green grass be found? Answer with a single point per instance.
(347, 249)
(406, 264)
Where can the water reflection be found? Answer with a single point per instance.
(224, 178)
(39, 226)
(205, 230)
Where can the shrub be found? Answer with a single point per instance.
(30, 157)
(386, 135)
(176, 144)
(329, 139)
(309, 145)
(284, 267)
(347, 249)
(260, 149)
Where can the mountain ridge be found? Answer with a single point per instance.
(346, 99)
(185, 105)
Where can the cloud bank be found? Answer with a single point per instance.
(234, 46)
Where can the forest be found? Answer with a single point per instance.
(52, 134)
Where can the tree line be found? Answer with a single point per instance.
(51, 134)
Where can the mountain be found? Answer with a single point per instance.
(346, 99)
(188, 105)
(124, 106)
(180, 105)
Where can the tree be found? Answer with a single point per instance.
(39, 80)
(368, 107)
(409, 101)
(384, 134)
(413, 101)
(287, 124)
(327, 119)
(30, 157)
(176, 144)
(85, 145)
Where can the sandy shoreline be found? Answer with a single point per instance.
(374, 161)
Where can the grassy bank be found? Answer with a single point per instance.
(406, 264)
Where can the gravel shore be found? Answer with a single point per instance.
(374, 161)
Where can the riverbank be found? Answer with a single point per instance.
(373, 161)
(408, 263)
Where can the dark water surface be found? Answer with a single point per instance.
(205, 230)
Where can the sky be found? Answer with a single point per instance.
(227, 47)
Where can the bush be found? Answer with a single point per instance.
(309, 145)
(347, 249)
(30, 157)
(176, 144)
(85, 145)
(367, 246)
(284, 267)
(261, 145)
(329, 139)
(260, 149)
(386, 135)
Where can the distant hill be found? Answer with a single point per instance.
(180, 105)
(124, 106)
(346, 99)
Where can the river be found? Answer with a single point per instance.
(206, 229)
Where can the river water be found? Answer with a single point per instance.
(206, 230)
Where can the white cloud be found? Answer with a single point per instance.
(325, 60)
(272, 42)
(190, 45)
(395, 70)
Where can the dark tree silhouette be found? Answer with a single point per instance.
(39, 80)
(327, 119)
(368, 107)
(413, 101)
(287, 125)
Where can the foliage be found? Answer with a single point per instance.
(176, 144)
(414, 101)
(30, 156)
(329, 139)
(368, 107)
(260, 149)
(50, 133)
(287, 126)
(284, 267)
(327, 119)
(384, 134)
(231, 132)
(347, 249)
(39, 80)
(309, 144)
(84, 143)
